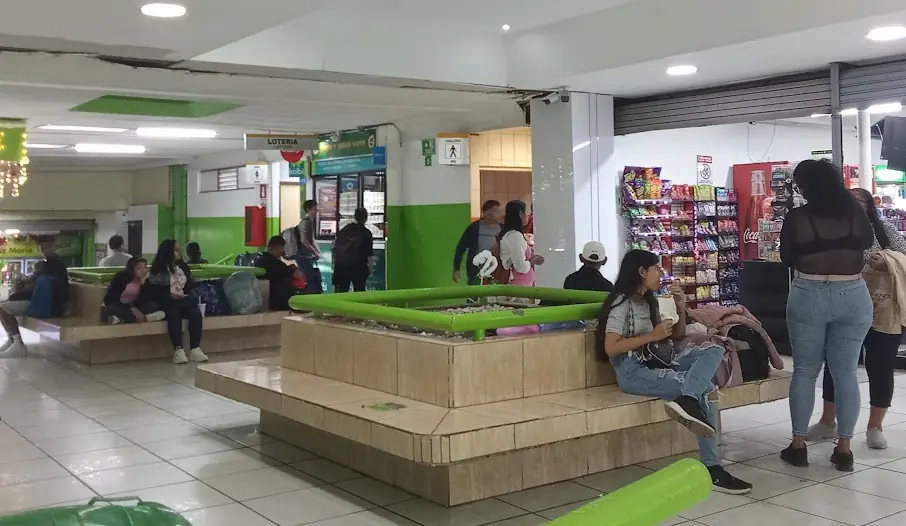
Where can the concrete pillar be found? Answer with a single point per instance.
(575, 199)
(865, 157)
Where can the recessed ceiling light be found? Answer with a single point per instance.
(162, 10)
(849, 111)
(109, 148)
(819, 115)
(886, 34)
(176, 133)
(98, 129)
(681, 70)
(505, 27)
(890, 107)
(42, 146)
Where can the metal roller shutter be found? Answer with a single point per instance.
(873, 84)
(47, 226)
(776, 98)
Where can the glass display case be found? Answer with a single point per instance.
(339, 196)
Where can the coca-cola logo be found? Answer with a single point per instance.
(749, 236)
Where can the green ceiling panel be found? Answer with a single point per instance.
(187, 109)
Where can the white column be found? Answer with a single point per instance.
(865, 168)
(571, 144)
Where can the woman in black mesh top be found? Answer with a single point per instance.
(829, 310)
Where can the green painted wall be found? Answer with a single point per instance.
(218, 236)
(273, 226)
(179, 186)
(421, 242)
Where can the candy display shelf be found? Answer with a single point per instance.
(728, 258)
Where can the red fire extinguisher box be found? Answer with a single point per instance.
(255, 226)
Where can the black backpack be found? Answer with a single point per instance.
(755, 361)
(348, 246)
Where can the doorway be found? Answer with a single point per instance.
(134, 237)
(506, 185)
(290, 204)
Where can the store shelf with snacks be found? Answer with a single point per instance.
(647, 206)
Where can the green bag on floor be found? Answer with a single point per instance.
(100, 512)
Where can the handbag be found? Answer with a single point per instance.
(656, 355)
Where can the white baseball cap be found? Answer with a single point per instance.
(593, 252)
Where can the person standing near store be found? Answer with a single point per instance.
(302, 248)
(478, 237)
(880, 348)
(353, 254)
(829, 309)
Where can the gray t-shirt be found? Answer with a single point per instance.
(487, 235)
(618, 321)
(307, 231)
(117, 259)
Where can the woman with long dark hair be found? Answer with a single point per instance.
(516, 254)
(880, 348)
(171, 280)
(829, 309)
(648, 362)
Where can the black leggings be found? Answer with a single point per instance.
(880, 357)
(184, 309)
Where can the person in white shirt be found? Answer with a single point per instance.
(119, 258)
(515, 252)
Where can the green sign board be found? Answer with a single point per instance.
(429, 147)
(297, 169)
(429, 160)
(883, 175)
(349, 144)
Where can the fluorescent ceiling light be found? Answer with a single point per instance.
(819, 115)
(12, 232)
(681, 70)
(849, 111)
(98, 129)
(162, 10)
(109, 148)
(42, 146)
(890, 107)
(886, 34)
(505, 27)
(176, 133)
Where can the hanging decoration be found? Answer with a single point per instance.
(13, 157)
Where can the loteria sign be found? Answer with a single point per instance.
(280, 142)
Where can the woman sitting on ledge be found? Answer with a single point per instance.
(127, 299)
(641, 348)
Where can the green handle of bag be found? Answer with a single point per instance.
(111, 500)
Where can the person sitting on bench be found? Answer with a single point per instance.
(128, 298)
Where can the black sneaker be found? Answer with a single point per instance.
(687, 411)
(723, 482)
(842, 461)
(795, 457)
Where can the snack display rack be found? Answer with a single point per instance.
(707, 237)
(646, 204)
(728, 246)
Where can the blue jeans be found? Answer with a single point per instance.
(691, 375)
(828, 321)
(307, 265)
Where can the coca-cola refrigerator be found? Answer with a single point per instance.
(752, 183)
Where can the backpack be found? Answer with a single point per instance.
(242, 293)
(501, 274)
(246, 260)
(42, 304)
(754, 361)
(211, 293)
(348, 246)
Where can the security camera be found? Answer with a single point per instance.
(551, 97)
(564, 96)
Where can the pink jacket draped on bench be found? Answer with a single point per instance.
(721, 319)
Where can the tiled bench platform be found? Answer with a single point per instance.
(84, 337)
(453, 455)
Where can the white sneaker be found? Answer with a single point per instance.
(179, 356)
(7, 344)
(198, 356)
(155, 316)
(821, 431)
(876, 438)
(16, 350)
(115, 320)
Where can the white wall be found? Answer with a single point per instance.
(231, 203)
(675, 150)
(61, 191)
(151, 186)
(112, 223)
(147, 214)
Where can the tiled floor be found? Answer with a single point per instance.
(69, 433)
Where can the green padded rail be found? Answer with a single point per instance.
(576, 305)
(103, 275)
